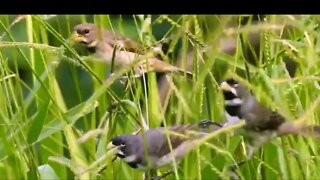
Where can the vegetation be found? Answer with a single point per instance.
(59, 107)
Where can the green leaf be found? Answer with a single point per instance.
(72, 116)
(37, 123)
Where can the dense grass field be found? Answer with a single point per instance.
(60, 108)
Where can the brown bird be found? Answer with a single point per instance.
(102, 43)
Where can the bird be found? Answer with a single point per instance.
(158, 154)
(102, 43)
(261, 123)
(245, 106)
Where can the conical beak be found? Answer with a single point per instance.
(226, 87)
(110, 146)
(77, 38)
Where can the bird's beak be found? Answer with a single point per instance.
(77, 38)
(226, 87)
(110, 146)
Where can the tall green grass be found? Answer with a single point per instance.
(59, 109)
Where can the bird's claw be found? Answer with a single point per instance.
(155, 177)
(235, 166)
(161, 176)
(207, 122)
(233, 174)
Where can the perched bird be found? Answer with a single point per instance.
(261, 122)
(102, 43)
(158, 142)
(245, 105)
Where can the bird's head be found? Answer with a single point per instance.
(232, 90)
(234, 94)
(125, 144)
(86, 33)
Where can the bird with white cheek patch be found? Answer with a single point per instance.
(151, 150)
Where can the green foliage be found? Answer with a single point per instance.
(59, 107)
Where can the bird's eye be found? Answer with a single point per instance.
(79, 31)
(86, 31)
(122, 144)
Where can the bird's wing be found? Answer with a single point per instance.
(155, 64)
(158, 140)
(116, 39)
(259, 117)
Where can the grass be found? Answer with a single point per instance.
(59, 109)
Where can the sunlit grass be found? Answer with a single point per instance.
(59, 109)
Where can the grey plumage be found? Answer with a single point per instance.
(262, 123)
(257, 116)
(159, 147)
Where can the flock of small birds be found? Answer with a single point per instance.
(261, 123)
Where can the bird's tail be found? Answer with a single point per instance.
(287, 128)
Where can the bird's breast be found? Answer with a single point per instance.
(131, 158)
(135, 162)
(121, 58)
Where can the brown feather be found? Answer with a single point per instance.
(102, 43)
(127, 44)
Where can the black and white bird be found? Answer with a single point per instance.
(159, 147)
(261, 123)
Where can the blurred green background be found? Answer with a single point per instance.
(56, 107)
